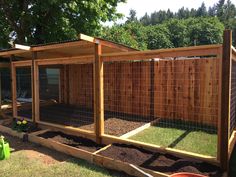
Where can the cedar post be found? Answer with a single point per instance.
(13, 89)
(225, 98)
(98, 94)
(35, 89)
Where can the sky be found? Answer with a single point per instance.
(149, 6)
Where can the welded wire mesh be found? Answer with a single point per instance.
(24, 92)
(175, 96)
(66, 95)
(233, 98)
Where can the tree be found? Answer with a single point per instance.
(37, 21)
(202, 11)
(158, 36)
(132, 16)
(178, 32)
(204, 30)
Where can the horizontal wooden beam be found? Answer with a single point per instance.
(61, 45)
(66, 60)
(205, 50)
(73, 151)
(109, 139)
(8, 53)
(23, 63)
(5, 65)
(68, 129)
(22, 47)
(86, 38)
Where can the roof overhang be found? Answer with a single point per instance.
(84, 45)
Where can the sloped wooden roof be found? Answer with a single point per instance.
(84, 45)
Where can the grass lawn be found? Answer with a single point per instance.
(31, 160)
(192, 141)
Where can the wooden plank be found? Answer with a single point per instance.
(67, 60)
(22, 63)
(22, 47)
(68, 130)
(75, 152)
(13, 87)
(232, 142)
(139, 129)
(11, 132)
(98, 94)
(219, 128)
(5, 65)
(61, 45)
(225, 98)
(86, 38)
(161, 53)
(109, 139)
(35, 88)
(10, 52)
(122, 166)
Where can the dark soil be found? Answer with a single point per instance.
(75, 141)
(115, 124)
(164, 163)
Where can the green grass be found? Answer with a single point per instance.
(191, 141)
(19, 165)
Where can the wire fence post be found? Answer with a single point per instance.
(225, 98)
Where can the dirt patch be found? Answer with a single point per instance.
(116, 127)
(165, 163)
(74, 141)
(115, 123)
(34, 151)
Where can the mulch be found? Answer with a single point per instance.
(115, 124)
(165, 163)
(70, 140)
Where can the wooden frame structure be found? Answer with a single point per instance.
(100, 51)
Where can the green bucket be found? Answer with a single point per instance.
(4, 149)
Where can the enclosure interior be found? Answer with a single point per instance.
(66, 95)
(178, 97)
(23, 92)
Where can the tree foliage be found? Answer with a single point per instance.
(37, 21)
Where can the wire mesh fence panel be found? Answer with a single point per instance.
(24, 92)
(233, 98)
(167, 102)
(5, 90)
(66, 95)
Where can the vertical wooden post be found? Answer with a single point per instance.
(152, 89)
(13, 89)
(225, 98)
(98, 94)
(35, 88)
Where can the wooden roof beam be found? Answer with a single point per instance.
(106, 43)
(22, 47)
(61, 45)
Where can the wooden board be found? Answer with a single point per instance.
(75, 152)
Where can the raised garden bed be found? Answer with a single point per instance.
(70, 140)
(163, 163)
(7, 127)
(79, 147)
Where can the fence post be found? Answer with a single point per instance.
(13, 88)
(35, 89)
(98, 93)
(225, 99)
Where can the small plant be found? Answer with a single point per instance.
(20, 125)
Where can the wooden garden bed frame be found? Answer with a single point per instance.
(225, 53)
